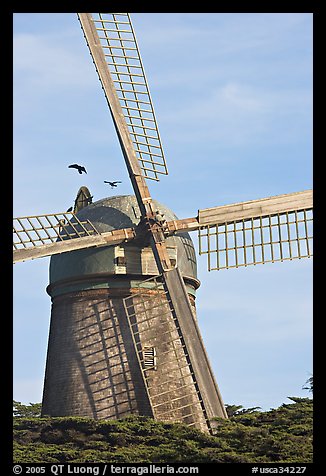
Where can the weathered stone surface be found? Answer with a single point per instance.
(93, 365)
(92, 368)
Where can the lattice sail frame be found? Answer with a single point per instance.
(118, 41)
(257, 240)
(36, 230)
(167, 397)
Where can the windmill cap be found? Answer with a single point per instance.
(93, 268)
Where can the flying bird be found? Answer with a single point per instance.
(113, 184)
(80, 168)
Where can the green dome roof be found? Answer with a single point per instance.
(97, 267)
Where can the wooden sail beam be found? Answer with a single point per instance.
(244, 211)
(113, 237)
(209, 216)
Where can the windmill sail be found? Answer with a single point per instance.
(177, 297)
(45, 235)
(180, 389)
(258, 231)
(121, 59)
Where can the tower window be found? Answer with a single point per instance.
(149, 358)
(120, 261)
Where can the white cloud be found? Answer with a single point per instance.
(231, 73)
(47, 61)
(238, 114)
(229, 33)
(236, 97)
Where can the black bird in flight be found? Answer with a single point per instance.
(113, 184)
(80, 168)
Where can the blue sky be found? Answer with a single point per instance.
(233, 99)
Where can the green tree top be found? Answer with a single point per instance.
(26, 411)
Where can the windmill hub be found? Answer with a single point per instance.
(125, 264)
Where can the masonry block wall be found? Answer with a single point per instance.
(95, 364)
(91, 367)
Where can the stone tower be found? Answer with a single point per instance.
(110, 356)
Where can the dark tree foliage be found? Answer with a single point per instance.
(232, 410)
(26, 411)
(278, 435)
(310, 384)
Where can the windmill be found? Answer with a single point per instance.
(276, 228)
